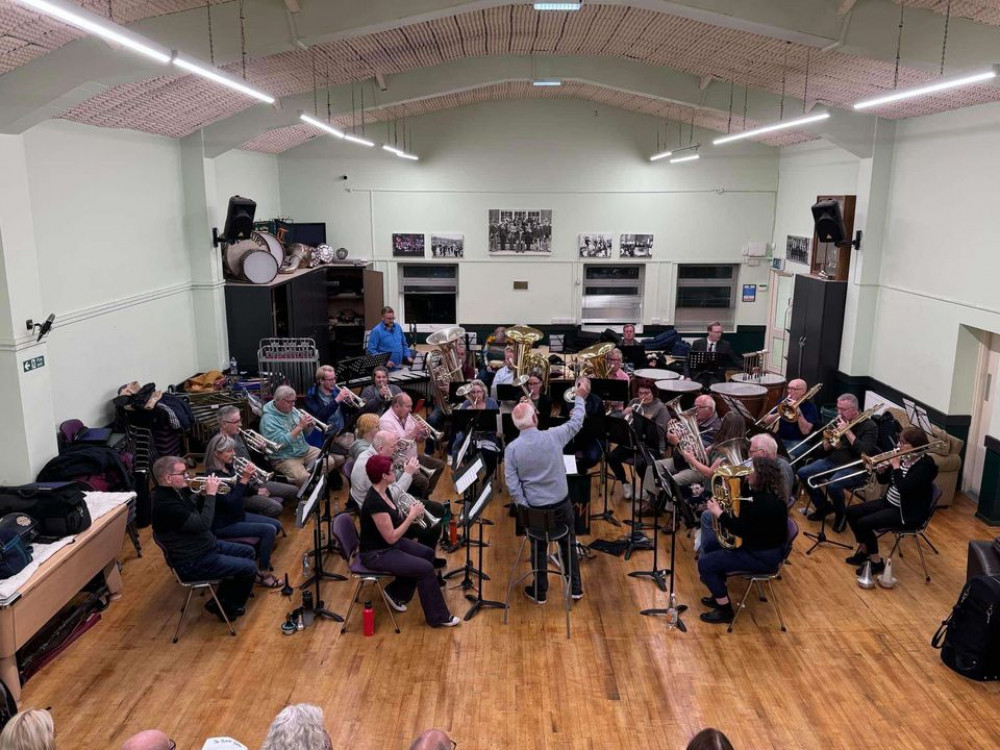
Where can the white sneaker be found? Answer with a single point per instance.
(451, 623)
(626, 492)
(697, 540)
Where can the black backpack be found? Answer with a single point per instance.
(970, 638)
(888, 431)
(59, 508)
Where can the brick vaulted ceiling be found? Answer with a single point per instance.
(176, 106)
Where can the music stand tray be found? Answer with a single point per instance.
(360, 367)
(706, 361)
(610, 389)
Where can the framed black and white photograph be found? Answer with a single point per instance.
(446, 245)
(407, 246)
(595, 245)
(520, 231)
(797, 249)
(636, 246)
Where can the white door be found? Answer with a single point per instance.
(779, 318)
(986, 410)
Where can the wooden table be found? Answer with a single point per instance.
(57, 581)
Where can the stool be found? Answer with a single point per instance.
(541, 525)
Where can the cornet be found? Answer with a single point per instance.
(259, 443)
(198, 484)
(297, 415)
(259, 475)
(431, 432)
(405, 450)
(353, 399)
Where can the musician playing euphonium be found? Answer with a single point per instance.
(399, 421)
(385, 548)
(230, 424)
(857, 441)
(378, 396)
(762, 524)
(486, 438)
(791, 433)
(906, 504)
(651, 408)
(708, 425)
(331, 406)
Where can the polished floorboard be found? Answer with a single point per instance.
(854, 669)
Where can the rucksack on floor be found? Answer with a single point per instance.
(970, 638)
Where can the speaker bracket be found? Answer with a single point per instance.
(855, 243)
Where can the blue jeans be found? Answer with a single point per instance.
(231, 563)
(261, 527)
(834, 490)
(716, 563)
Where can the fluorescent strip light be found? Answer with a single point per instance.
(321, 125)
(771, 128)
(546, 82)
(661, 155)
(95, 24)
(391, 149)
(359, 140)
(680, 159)
(930, 88)
(216, 75)
(558, 6)
(411, 157)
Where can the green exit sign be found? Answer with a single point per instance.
(33, 364)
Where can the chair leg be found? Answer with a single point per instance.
(511, 580)
(388, 607)
(777, 607)
(923, 562)
(566, 570)
(223, 611)
(760, 591)
(922, 536)
(180, 619)
(895, 547)
(350, 609)
(739, 609)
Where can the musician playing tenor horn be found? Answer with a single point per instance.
(791, 433)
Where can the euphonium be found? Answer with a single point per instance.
(444, 364)
(259, 475)
(405, 450)
(726, 489)
(522, 338)
(404, 501)
(685, 427)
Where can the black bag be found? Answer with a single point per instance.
(970, 638)
(17, 531)
(888, 431)
(59, 507)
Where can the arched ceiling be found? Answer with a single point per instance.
(666, 59)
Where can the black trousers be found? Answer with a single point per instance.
(867, 518)
(567, 548)
(431, 536)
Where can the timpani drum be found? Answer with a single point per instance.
(651, 376)
(670, 389)
(775, 385)
(751, 395)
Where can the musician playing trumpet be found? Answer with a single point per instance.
(399, 421)
(284, 424)
(378, 396)
(230, 425)
(652, 409)
(791, 433)
(906, 504)
(853, 443)
(331, 405)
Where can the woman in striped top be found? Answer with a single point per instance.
(905, 505)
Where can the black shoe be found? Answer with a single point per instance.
(858, 558)
(709, 601)
(440, 562)
(821, 512)
(529, 591)
(877, 568)
(721, 614)
(213, 608)
(839, 521)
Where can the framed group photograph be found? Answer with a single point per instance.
(636, 246)
(797, 249)
(407, 246)
(520, 231)
(595, 245)
(446, 245)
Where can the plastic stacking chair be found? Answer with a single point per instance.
(755, 579)
(917, 534)
(541, 525)
(191, 587)
(347, 537)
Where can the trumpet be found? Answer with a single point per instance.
(297, 416)
(259, 443)
(871, 463)
(198, 484)
(353, 399)
(404, 501)
(431, 432)
(259, 475)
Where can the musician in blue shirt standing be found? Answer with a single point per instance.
(387, 337)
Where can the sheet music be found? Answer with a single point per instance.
(468, 476)
(305, 507)
(463, 449)
(570, 463)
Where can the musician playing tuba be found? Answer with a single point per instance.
(857, 437)
(806, 416)
(761, 525)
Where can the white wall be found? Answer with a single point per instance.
(940, 263)
(251, 175)
(588, 164)
(113, 266)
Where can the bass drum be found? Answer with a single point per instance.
(236, 254)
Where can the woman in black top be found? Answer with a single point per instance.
(762, 524)
(386, 550)
(906, 504)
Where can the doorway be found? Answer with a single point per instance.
(985, 411)
(779, 319)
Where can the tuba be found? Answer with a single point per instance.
(593, 360)
(726, 490)
(444, 364)
(522, 338)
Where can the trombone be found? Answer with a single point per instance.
(788, 410)
(831, 434)
(871, 463)
(259, 443)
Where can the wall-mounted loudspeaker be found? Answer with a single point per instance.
(239, 221)
(829, 222)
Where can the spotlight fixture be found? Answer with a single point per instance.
(784, 125)
(43, 328)
(559, 6)
(942, 84)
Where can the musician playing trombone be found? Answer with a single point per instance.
(791, 434)
(855, 441)
(906, 504)
(330, 405)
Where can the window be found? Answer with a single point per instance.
(612, 294)
(429, 293)
(705, 293)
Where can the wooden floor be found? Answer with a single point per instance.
(855, 668)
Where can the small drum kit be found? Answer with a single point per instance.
(750, 395)
(256, 259)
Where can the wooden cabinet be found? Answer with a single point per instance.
(304, 304)
(814, 336)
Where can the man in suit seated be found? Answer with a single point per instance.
(726, 357)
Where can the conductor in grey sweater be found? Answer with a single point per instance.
(536, 477)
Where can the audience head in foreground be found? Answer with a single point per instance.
(148, 739)
(710, 739)
(31, 729)
(298, 727)
(432, 739)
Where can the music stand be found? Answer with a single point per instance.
(509, 392)
(471, 513)
(610, 389)
(918, 416)
(709, 365)
(354, 368)
(465, 480)
(311, 505)
(664, 484)
(628, 436)
(634, 355)
(737, 406)
(674, 610)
